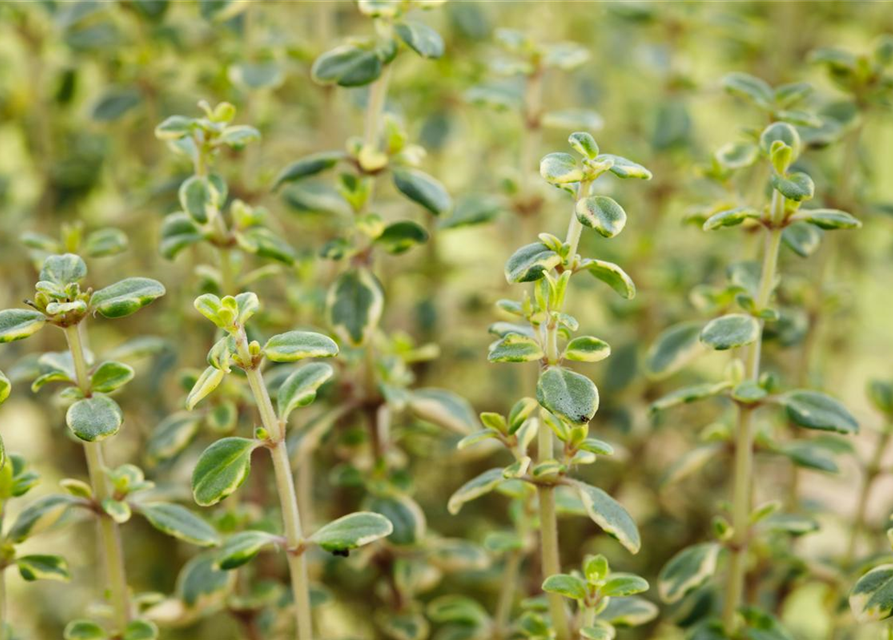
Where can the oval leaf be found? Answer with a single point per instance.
(243, 547)
(18, 324)
(300, 388)
(569, 395)
(687, 570)
(352, 531)
(474, 488)
(126, 297)
(221, 469)
(179, 522)
(297, 345)
(602, 214)
(423, 189)
(815, 410)
(611, 275)
(94, 419)
(609, 515)
(530, 263)
(730, 331)
(355, 302)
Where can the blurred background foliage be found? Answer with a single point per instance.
(83, 85)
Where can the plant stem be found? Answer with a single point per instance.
(227, 280)
(588, 617)
(109, 533)
(285, 488)
(872, 471)
(510, 575)
(743, 474)
(551, 560)
(378, 93)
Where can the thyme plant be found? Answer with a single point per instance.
(568, 400)
(750, 292)
(224, 466)
(112, 495)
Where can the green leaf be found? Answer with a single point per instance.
(737, 155)
(201, 584)
(110, 376)
(221, 469)
(609, 515)
(687, 395)
(209, 380)
(586, 349)
(687, 570)
(421, 38)
(620, 585)
(347, 65)
(63, 269)
(174, 128)
(308, 166)
(18, 324)
(783, 132)
(598, 630)
(126, 297)
(179, 522)
(475, 488)
(872, 596)
(560, 168)
(458, 610)
(95, 418)
(117, 510)
(352, 531)
(815, 410)
(515, 348)
(238, 136)
(105, 242)
(730, 218)
(140, 630)
(423, 189)
(178, 231)
(629, 612)
(569, 395)
(584, 144)
(299, 389)
(602, 214)
(802, 238)
(530, 263)
(673, 349)
(43, 567)
(794, 186)
(241, 548)
(39, 516)
(5, 389)
(84, 630)
(829, 219)
(623, 168)
(404, 514)
(199, 198)
(298, 345)
(611, 275)
(355, 302)
(402, 236)
(730, 331)
(750, 87)
(444, 408)
(266, 243)
(565, 585)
